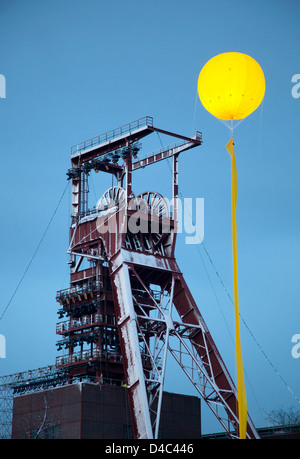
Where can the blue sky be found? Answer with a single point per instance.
(76, 69)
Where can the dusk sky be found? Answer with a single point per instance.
(76, 69)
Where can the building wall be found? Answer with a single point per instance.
(90, 411)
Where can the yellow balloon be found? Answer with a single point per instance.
(231, 86)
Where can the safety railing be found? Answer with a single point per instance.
(84, 356)
(85, 321)
(78, 357)
(85, 288)
(110, 135)
(163, 153)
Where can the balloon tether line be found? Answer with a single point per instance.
(242, 400)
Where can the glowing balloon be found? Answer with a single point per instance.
(231, 86)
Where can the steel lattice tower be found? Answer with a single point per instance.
(132, 306)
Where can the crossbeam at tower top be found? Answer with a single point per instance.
(120, 137)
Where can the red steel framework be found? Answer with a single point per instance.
(130, 306)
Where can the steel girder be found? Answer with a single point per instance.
(153, 324)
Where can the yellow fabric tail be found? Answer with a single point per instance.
(242, 401)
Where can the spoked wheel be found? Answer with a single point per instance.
(157, 205)
(112, 197)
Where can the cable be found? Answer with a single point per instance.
(35, 252)
(195, 108)
(250, 332)
(260, 126)
(231, 300)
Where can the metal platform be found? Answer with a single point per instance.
(22, 383)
